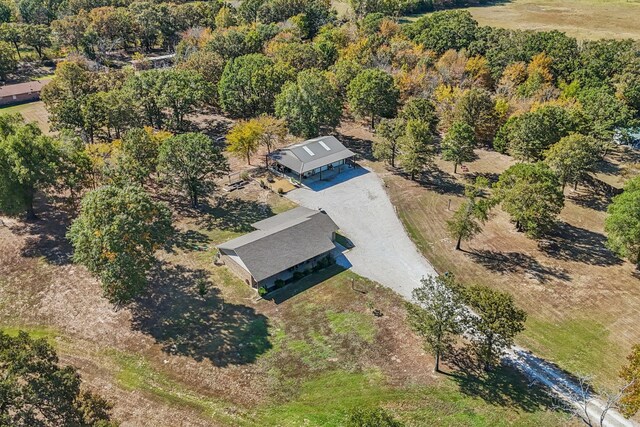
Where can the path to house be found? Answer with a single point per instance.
(358, 203)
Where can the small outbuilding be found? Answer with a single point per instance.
(312, 157)
(21, 92)
(296, 240)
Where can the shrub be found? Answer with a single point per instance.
(279, 283)
(280, 190)
(297, 275)
(244, 176)
(262, 291)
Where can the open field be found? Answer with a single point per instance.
(583, 19)
(303, 357)
(32, 112)
(581, 299)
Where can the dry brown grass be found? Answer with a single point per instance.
(582, 19)
(581, 299)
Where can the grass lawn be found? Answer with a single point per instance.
(583, 19)
(581, 299)
(32, 112)
(229, 358)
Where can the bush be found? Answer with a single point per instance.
(279, 283)
(244, 176)
(262, 291)
(280, 190)
(297, 275)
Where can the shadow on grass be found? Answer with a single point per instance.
(362, 147)
(46, 236)
(504, 386)
(571, 243)
(439, 181)
(516, 262)
(187, 240)
(184, 322)
(234, 214)
(291, 290)
(590, 199)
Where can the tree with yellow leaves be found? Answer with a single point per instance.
(243, 140)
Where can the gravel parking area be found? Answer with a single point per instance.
(358, 204)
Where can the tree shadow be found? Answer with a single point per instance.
(570, 243)
(516, 262)
(234, 214)
(187, 323)
(504, 386)
(590, 199)
(46, 236)
(440, 181)
(362, 147)
(192, 240)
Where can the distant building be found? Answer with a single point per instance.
(153, 62)
(292, 241)
(312, 157)
(21, 92)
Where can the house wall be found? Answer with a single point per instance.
(284, 275)
(20, 98)
(237, 269)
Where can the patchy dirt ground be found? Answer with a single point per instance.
(218, 350)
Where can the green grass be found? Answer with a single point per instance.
(327, 399)
(581, 346)
(350, 323)
(35, 332)
(136, 373)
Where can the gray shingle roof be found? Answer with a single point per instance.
(312, 154)
(283, 241)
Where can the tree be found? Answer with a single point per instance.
(37, 36)
(138, 157)
(623, 222)
(115, 237)
(74, 166)
(458, 144)
(243, 139)
(415, 147)
(190, 162)
(181, 92)
(274, 132)
(441, 31)
(468, 219)
(371, 417)
(387, 146)
(8, 63)
(436, 314)
(249, 85)
(573, 157)
(531, 194)
(373, 93)
(309, 104)
(476, 108)
(494, 322)
(37, 391)
(630, 374)
(529, 135)
(27, 164)
(421, 109)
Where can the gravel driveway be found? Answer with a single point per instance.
(358, 204)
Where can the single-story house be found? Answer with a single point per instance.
(292, 241)
(312, 157)
(21, 92)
